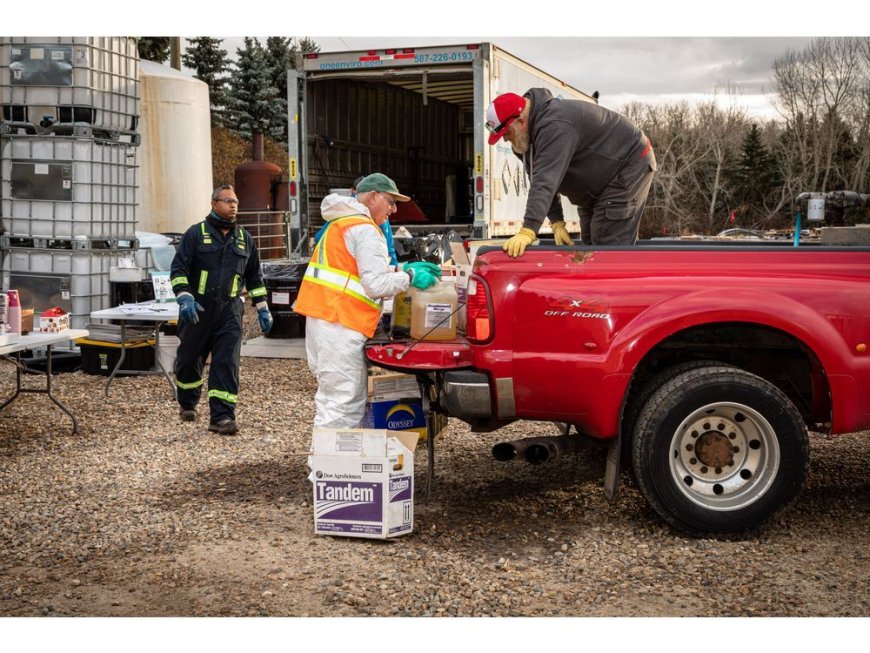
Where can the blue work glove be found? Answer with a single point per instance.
(265, 318)
(188, 308)
(423, 274)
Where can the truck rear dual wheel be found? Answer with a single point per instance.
(719, 450)
(636, 405)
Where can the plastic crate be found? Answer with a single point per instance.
(65, 187)
(92, 80)
(101, 357)
(77, 282)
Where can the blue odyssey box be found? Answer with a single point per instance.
(394, 403)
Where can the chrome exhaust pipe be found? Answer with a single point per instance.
(538, 450)
(550, 448)
(505, 451)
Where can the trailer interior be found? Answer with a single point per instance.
(415, 125)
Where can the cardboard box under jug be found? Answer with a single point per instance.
(363, 481)
(394, 404)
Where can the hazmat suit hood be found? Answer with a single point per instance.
(340, 206)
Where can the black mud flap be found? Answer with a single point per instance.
(611, 470)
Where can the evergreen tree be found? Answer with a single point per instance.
(756, 176)
(253, 102)
(154, 48)
(211, 63)
(281, 56)
(305, 45)
(844, 153)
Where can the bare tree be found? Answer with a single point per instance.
(819, 93)
(859, 117)
(720, 132)
(682, 150)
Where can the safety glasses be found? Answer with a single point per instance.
(504, 123)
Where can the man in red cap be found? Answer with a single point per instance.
(598, 159)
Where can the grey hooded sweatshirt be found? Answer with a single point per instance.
(576, 149)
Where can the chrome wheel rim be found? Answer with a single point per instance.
(724, 456)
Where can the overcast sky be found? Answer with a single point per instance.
(666, 50)
(623, 69)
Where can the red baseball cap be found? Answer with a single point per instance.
(501, 113)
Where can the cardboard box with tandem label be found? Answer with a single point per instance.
(394, 403)
(363, 482)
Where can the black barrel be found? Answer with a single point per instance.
(282, 280)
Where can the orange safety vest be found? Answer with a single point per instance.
(331, 289)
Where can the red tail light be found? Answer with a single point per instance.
(478, 314)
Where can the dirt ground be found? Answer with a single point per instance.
(141, 515)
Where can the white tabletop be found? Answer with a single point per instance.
(36, 339)
(146, 311)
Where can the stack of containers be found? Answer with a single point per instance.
(69, 112)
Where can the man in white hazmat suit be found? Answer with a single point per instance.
(348, 274)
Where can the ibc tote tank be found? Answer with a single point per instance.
(175, 155)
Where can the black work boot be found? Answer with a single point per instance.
(224, 426)
(187, 415)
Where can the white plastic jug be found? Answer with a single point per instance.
(433, 312)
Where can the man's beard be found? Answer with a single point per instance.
(520, 142)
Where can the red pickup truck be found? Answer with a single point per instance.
(704, 364)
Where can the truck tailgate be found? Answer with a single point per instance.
(420, 355)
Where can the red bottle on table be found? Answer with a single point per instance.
(13, 312)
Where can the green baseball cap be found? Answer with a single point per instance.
(382, 184)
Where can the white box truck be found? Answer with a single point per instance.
(417, 115)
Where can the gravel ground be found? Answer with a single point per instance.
(140, 515)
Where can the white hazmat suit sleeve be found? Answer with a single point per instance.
(369, 247)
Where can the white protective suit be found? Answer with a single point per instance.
(335, 353)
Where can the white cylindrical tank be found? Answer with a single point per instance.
(175, 155)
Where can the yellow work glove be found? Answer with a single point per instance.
(516, 245)
(560, 233)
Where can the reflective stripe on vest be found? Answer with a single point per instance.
(331, 289)
(340, 281)
(203, 279)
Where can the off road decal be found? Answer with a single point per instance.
(570, 307)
